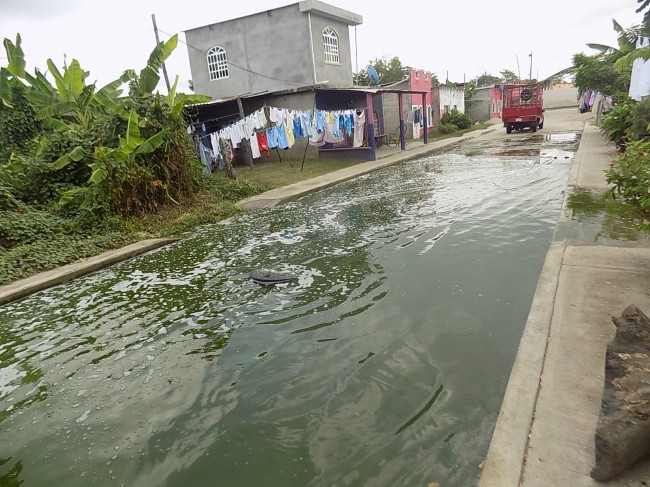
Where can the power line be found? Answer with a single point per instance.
(236, 65)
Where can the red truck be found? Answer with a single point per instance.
(522, 107)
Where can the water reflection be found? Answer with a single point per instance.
(384, 363)
(596, 219)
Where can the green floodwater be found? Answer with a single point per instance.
(383, 364)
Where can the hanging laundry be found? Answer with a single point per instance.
(317, 138)
(276, 115)
(608, 103)
(261, 114)
(281, 136)
(359, 128)
(320, 120)
(336, 125)
(592, 98)
(305, 122)
(297, 128)
(349, 122)
(206, 157)
(214, 141)
(255, 148)
(330, 135)
(288, 130)
(272, 138)
(262, 143)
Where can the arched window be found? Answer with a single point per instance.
(217, 63)
(331, 45)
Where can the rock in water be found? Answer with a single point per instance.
(623, 430)
(266, 277)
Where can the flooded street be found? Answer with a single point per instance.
(384, 363)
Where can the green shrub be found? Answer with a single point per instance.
(17, 123)
(630, 177)
(617, 122)
(231, 190)
(26, 259)
(639, 120)
(460, 120)
(447, 128)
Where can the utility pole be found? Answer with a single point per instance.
(155, 29)
(518, 70)
(530, 74)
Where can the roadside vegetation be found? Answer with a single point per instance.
(85, 169)
(627, 124)
(454, 121)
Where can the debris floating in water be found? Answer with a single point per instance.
(267, 277)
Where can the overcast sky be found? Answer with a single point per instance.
(464, 38)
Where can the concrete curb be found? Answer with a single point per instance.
(43, 280)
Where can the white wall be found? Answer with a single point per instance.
(561, 98)
(450, 96)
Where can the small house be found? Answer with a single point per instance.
(303, 44)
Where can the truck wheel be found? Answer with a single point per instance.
(508, 129)
(533, 127)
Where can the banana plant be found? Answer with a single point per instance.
(626, 40)
(178, 101)
(130, 146)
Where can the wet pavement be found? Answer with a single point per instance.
(385, 363)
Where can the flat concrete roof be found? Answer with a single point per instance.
(331, 12)
(306, 6)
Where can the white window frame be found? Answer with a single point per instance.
(217, 63)
(331, 46)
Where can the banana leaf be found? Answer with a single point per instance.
(149, 76)
(152, 143)
(62, 90)
(74, 76)
(16, 57)
(75, 155)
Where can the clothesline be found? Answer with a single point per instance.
(280, 128)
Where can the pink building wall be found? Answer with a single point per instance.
(421, 80)
(497, 102)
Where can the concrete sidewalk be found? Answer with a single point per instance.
(544, 435)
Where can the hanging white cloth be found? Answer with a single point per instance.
(640, 79)
(359, 128)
